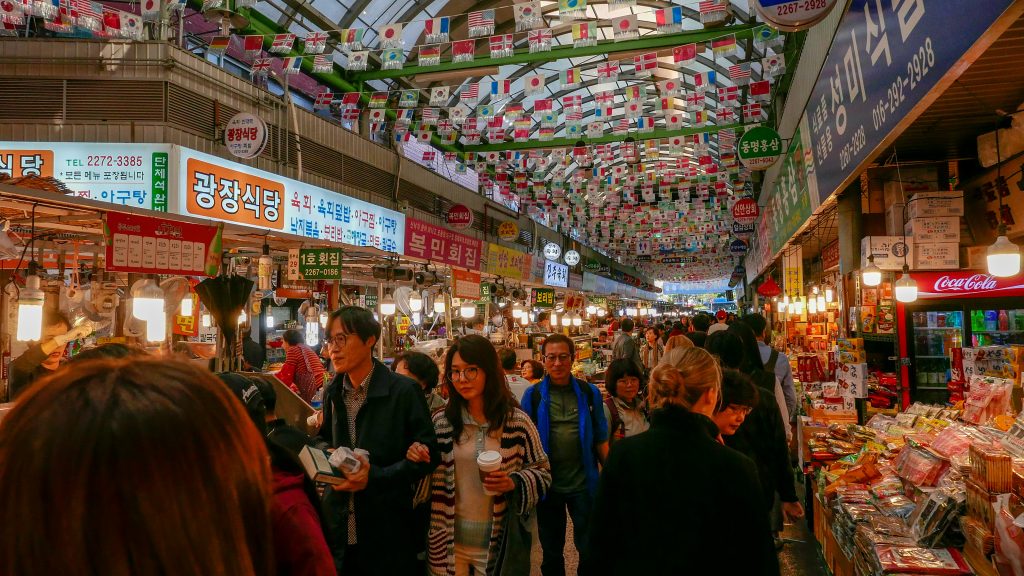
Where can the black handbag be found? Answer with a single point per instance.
(517, 541)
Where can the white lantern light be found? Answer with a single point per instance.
(186, 305)
(264, 270)
(387, 305)
(553, 318)
(323, 319)
(577, 320)
(591, 310)
(415, 302)
(601, 312)
(829, 295)
(566, 319)
(30, 310)
(147, 299)
(439, 304)
(782, 307)
(207, 320)
(906, 287)
(1003, 258)
(468, 309)
(871, 275)
(416, 318)
(518, 312)
(812, 305)
(821, 303)
(524, 320)
(269, 317)
(242, 318)
(156, 328)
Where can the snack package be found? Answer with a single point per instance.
(1009, 537)
(897, 559)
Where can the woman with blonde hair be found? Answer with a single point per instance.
(677, 341)
(689, 501)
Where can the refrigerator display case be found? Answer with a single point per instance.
(954, 309)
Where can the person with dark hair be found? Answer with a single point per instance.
(109, 351)
(44, 357)
(532, 370)
(652, 349)
(773, 360)
(302, 370)
(298, 540)
(424, 371)
(277, 430)
(467, 527)
(136, 442)
(625, 346)
(516, 383)
(369, 407)
(739, 397)
(701, 322)
(253, 355)
(727, 346)
(623, 409)
(574, 433)
(699, 339)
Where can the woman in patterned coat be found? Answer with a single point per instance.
(468, 509)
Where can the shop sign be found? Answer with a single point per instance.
(592, 265)
(552, 251)
(508, 231)
(370, 301)
(830, 255)
(793, 271)
(966, 283)
(459, 217)
(877, 74)
(672, 260)
(245, 135)
(589, 282)
(402, 324)
(314, 264)
(507, 263)
(188, 325)
(759, 148)
(572, 257)
(793, 15)
(745, 211)
(543, 298)
(466, 284)
(741, 231)
(161, 246)
(738, 247)
(794, 197)
(134, 175)
(438, 244)
(556, 274)
(214, 188)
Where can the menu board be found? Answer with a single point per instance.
(160, 246)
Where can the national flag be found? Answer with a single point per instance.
(765, 35)
(392, 59)
(773, 66)
(572, 103)
(350, 114)
(390, 36)
(423, 136)
(150, 9)
(625, 27)
(673, 121)
(350, 99)
(315, 43)
(378, 100)
(292, 64)
(604, 111)
(726, 115)
(260, 67)
(583, 35)
(219, 43)
(409, 98)
(357, 60)
(435, 30)
(131, 26)
(513, 110)
(429, 55)
(352, 38)
(323, 63)
(608, 71)
(470, 93)
(282, 43)
(527, 15)
(710, 6)
(571, 9)
(323, 100)
(111, 21)
(669, 87)
(645, 124)
(502, 46)
(542, 105)
(669, 20)
(761, 90)
(635, 92)
(499, 88)
(704, 80)
(645, 64)
(481, 23)
(633, 109)
(533, 84)
(728, 94)
(604, 97)
(539, 40)
(685, 54)
(740, 73)
(666, 105)
(252, 45)
(429, 155)
(463, 50)
(439, 95)
(404, 115)
(724, 46)
(569, 78)
(595, 129)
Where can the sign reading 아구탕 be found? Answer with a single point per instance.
(245, 135)
(424, 240)
(160, 246)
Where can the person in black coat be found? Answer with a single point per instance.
(674, 500)
(390, 414)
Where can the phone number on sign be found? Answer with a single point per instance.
(917, 68)
(807, 5)
(113, 160)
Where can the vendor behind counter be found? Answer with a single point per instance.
(44, 357)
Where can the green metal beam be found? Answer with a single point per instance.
(568, 142)
(524, 56)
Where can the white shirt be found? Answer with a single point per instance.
(518, 385)
(716, 327)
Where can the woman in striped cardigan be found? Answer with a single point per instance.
(467, 513)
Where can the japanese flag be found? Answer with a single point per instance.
(674, 121)
(390, 36)
(533, 84)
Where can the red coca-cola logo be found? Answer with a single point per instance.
(969, 284)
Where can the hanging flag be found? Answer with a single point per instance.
(352, 38)
(111, 21)
(502, 46)
(604, 111)
(765, 36)
(625, 27)
(569, 78)
(533, 84)
(726, 113)
(292, 64)
(252, 45)
(439, 95)
(669, 87)
(540, 40)
(673, 121)
(314, 43)
(542, 105)
(685, 54)
(645, 64)
(669, 20)
(595, 129)
(409, 99)
(546, 133)
(429, 155)
(695, 101)
(635, 92)
(429, 55)
(392, 59)
(429, 116)
(323, 63)
(666, 105)
(498, 88)
(435, 30)
(282, 44)
(728, 94)
(390, 36)
(633, 109)
(704, 81)
(423, 136)
(760, 91)
(583, 35)
(463, 50)
(378, 100)
(219, 43)
(513, 111)
(150, 9)
(323, 100)
(131, 26)
(260, 67)
(712, 11)
(528, 15)
(572, 103)
(571, 9)
(773, 66)
(470, 93)
(724, 46)
(404, 115)
(481, 23)
(740, 73)
(608, 71)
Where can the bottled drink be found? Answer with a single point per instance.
(991, 320)
(1004, 320)
(318, 399)
(977, 320)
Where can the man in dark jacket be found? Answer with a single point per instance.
(369, 518)
(44, 357)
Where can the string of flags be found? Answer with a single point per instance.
(73, 16)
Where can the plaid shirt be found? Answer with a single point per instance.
(354, 400)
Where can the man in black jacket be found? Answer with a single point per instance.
(369, 518)
(44, 357)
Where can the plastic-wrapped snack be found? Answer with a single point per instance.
(899, 506)
(897, 559)
(952, 441)
(1009, 537)
(890, 526)
(887, 486)
(935, 514)
(919, 466)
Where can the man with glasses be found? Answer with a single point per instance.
(570, 417)
(369, 518)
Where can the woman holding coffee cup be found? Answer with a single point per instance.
(492, 464)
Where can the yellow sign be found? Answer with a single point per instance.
(403, 324)
(507, 263)
(508, 231)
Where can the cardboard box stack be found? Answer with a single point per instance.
(933, 220)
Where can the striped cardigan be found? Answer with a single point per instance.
(523, 458)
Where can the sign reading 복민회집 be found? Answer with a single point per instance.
(437, 244)
(161, 246)
(214, 188)
(133, 175)
(886, 56)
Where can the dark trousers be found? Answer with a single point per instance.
(551, 514)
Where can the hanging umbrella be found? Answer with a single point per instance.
(225, 297)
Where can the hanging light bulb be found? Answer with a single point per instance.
(156, 328)
(207, 320)
(524, 320)
(591, 310)
(812, 305)
(264, 269)
(439, 304)
(30, 308)
(798, 305)
(906, 287)
(1003, 256)
(829, 294)
(415, 302)
(601, 312)
(467, 309)
(147, 299)
(821, 303)
(871, 275)
(785, 299)
(577, 320)
(269, 317)
(387, 305)
(323, 319)
(186, 305)
(781, 306)
(416, 318)
(553, 319)
(566, 320)
(243, 317)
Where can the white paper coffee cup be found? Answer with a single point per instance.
(488, 461)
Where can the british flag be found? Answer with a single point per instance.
(608, 71)
(315, 42)
(260, 66)
(604, 97)
(540, 40)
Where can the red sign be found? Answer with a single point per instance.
(459, 217)
(745, 211)
(423, 240)
(161, 246)
(466, 285)
(966, 283)
(830, 255)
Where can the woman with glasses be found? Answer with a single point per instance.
(424, 371)
(470, 510)
(623, 409)
(677, 499)
(739, 397)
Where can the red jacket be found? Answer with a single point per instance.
(299, 545)
(302, 371)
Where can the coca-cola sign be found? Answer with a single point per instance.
(970, 284)
(966, 283)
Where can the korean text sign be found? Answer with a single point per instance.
(437, 244)
(466, 284)
(507, 263)
(556, 274)
(886, 56)
(543, 297)
(319, 263)
(133, 175)
(160, 246)
(211, 187)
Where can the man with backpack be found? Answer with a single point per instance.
(774, 361)
(569, 415)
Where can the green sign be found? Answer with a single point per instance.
(790, 203)
(320, 263)
(370, 301)
(543, 298)
(160, 169)
(759, 148)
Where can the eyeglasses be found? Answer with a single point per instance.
(738, 409)
(557, 358)
(628, 382)
(465, 375)
(338, 340)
